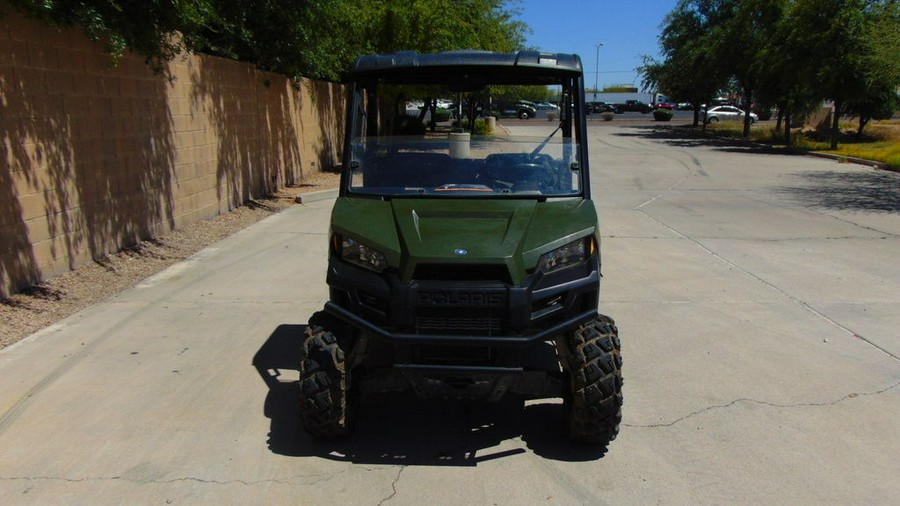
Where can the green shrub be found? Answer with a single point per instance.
(441, 115)
(607, 116)
(662, 115)
(481, 127)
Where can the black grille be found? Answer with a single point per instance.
(455, 322)
(462, 272)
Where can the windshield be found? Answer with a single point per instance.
(416, 140)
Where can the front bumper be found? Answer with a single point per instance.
(456, 310)
(500, 340)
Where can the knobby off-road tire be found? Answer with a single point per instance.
(594, 400)
(326, 403)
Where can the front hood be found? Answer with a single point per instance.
(417, 231)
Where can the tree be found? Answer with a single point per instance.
(688, 71)
(879, 99)
(437, 25)
(779, 82)
(789, 53)
(833, 35)
(311, 38)
(744, 30)
(884, 41)
(876, 103)
(147, 27)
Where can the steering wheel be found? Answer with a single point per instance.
(538, 171)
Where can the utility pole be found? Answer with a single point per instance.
(597, 69)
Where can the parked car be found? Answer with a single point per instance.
(665, 105)
(721, 101)
(546, 106)
(521, 109)
(598, 107)
(727, 113)
(684, 106)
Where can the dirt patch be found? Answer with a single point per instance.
(43, 304)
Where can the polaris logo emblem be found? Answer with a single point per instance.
(482, 298)
(460, 252)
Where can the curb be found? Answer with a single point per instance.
(852, 159)
(306, 198)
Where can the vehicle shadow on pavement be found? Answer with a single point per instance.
(401, 429)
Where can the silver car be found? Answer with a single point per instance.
(727, 113)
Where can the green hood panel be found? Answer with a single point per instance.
(515, 232)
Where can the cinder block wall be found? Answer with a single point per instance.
(94, 157)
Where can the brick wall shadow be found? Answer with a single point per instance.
(86, 153)
(228, 99)
(270, 131)
(95, 157)
(330, 103)
(17, 259)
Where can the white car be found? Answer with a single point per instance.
(727, 113)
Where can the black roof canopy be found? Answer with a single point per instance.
(522, 67)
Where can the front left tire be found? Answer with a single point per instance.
(327, 405)
(593, 401)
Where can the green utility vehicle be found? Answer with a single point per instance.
(459, 263)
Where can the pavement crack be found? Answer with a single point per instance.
(393, 486)
(760, 403)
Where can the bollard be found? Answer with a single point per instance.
(459, 144)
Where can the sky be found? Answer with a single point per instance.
(628, 29)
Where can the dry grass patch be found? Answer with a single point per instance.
(880, 141)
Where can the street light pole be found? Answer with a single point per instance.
(597, 69)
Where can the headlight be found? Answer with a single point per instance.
(565, 256)
(357, 253)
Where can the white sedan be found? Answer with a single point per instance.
(727, 113)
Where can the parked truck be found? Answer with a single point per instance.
(633, 106)
(629, 101)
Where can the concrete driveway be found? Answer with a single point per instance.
(757, 297)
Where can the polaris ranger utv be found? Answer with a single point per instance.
(454, 256)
